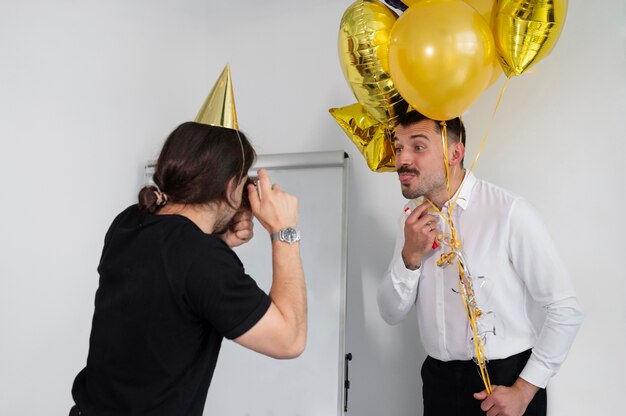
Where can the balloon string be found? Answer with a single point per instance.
(473, 313)
(466, 290)
(493, 116)
(482, 143)
(447, 218)
(465, 283)
(444, 142)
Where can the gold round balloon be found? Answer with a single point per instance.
(487, 9)
(526, 31)
(441, 57)
(363, 54)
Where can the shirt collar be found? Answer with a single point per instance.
(465, 191)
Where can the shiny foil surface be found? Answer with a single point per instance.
(363, 54)
(526, 32)
(372, 138)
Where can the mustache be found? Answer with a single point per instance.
(406, 169)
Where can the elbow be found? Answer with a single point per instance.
(295, 351)
(291, 350)
(390, 315)
(390, 309)
(566, 312)
(389, 318)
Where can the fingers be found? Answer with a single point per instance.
(421, 219)
(492, 404)
(417, 213)
(425, 224)
(487, 404)
(245, 234)
(242, 215)
(480, 395)
(254, 198)
(240, 225)
(264, 182)
(429, 226)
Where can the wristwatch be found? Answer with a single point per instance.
(289, 235)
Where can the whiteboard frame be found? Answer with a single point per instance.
(312, 160)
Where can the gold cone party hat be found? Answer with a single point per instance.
(219, 107)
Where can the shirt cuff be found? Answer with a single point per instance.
(536, 374)
(404, 279)
(399, 267)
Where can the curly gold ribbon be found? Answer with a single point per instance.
(473, 312)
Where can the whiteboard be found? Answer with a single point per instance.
(246, 383)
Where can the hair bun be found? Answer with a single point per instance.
(148, 200)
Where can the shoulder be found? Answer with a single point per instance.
(208, 250)
(501, 201)
(199, 261)
(486, 191)
(126, 216)
(132, 211)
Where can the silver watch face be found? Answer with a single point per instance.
(290, 235)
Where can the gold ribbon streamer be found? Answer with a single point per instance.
(466, 290)
(473, 312)
(480, 148)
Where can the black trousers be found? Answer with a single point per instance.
(448, 386)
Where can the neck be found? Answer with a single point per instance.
(441, 196)
(204, 216)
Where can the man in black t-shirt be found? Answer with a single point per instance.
(171, 288)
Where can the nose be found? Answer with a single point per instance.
(402, 159)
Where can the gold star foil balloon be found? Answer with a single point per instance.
(363, 54)
(372, 138)
(219, 107)
(526, 31)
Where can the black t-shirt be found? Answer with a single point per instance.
(168, 294)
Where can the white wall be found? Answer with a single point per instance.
(89, 90)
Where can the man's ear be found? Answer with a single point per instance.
(456, 154)
(230, 189)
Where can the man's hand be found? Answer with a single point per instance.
(507, 401)
(274, 208)
(240, 229)
(420, 231)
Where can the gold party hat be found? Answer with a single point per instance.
(219, 107)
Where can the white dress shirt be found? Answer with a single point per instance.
(521, 285)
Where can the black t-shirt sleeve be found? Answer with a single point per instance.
(221, 292)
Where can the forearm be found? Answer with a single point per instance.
(397, 292)
(288, 292)
(563, 319)
(527, 390)
(536, 260)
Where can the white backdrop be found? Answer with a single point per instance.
(89, 90)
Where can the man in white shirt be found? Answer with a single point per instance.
(530, 311)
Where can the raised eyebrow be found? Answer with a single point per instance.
(420, 136)
(413, 137)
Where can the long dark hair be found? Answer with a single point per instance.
(195, 165)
